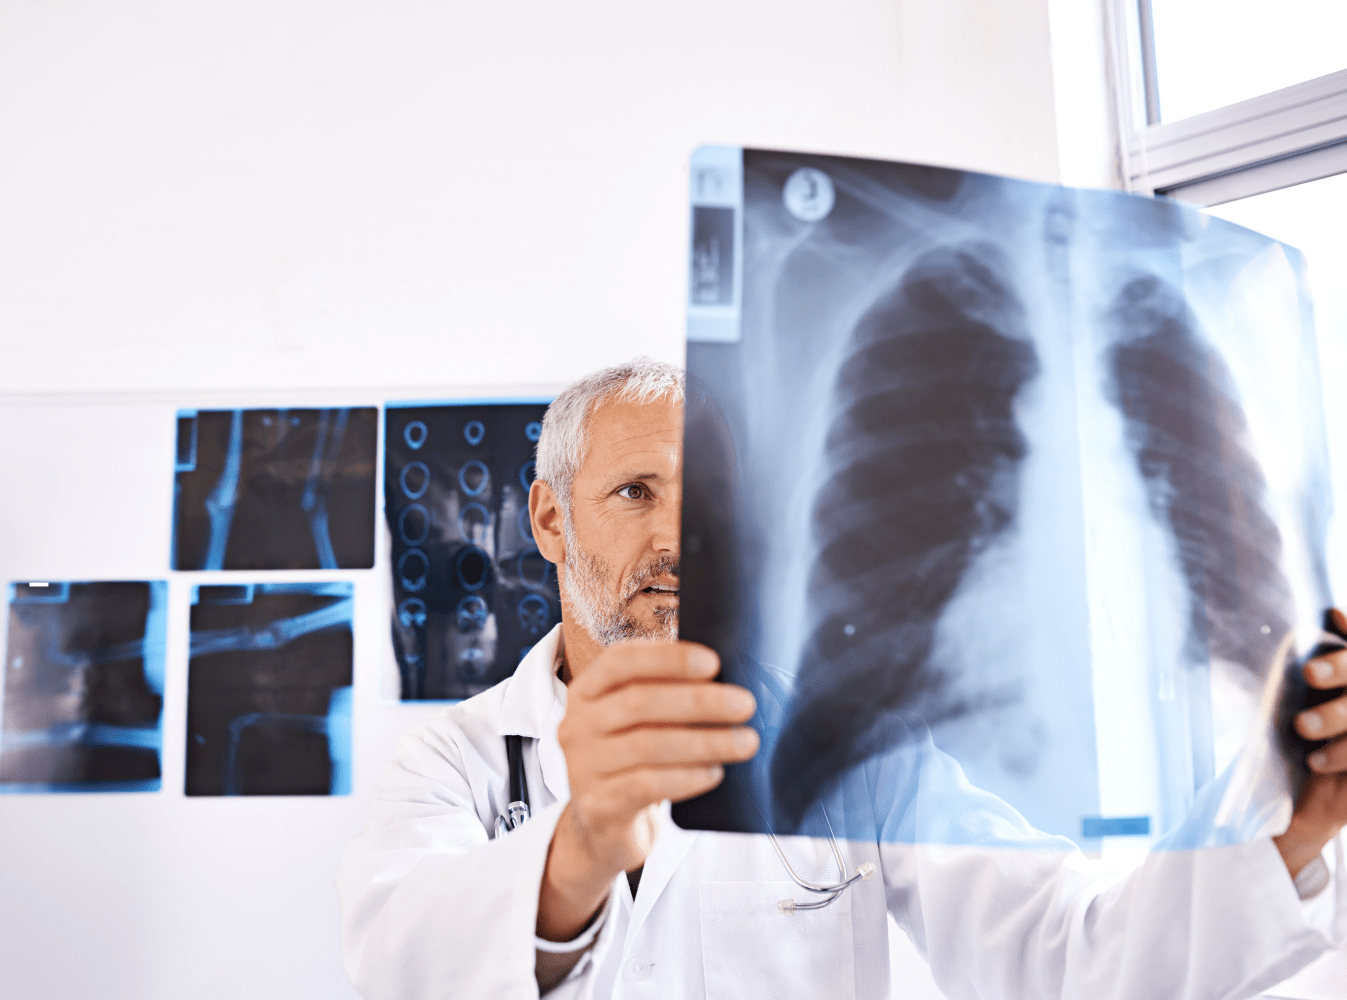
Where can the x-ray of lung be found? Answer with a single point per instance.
(83, 687)
(269, 689)
(1031, 477)
(275, 489)
(471, 591)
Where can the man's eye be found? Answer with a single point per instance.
(633, 492)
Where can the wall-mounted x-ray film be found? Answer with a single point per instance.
(275, 489)
(471, 591)
(269, 689)
(83, 687)
(1007, 499)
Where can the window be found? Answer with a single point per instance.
(1211, 53)
(1218, 100)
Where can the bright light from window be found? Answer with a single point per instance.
(1313, 217)
(1210, 53)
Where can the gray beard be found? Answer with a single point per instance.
(607, 617)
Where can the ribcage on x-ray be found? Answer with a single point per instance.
(1187, 430)
(922, 465)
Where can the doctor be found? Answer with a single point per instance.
(599, 894)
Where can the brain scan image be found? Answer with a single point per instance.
(275, 489)
(1018, 483)
(471, 591)
(269, 689)
(83, 687)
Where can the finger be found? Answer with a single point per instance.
(672, 704)
(1323, 722)
(621, 797)
(630, 661)
(1331, 759)
(673, 746)
(1327, 671)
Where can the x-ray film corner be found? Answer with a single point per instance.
(1049, 498)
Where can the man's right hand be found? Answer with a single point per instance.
(644, 723)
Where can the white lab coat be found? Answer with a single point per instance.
(433, 907)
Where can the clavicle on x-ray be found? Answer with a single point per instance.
(1019, 486)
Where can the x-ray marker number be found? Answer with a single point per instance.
(809, 194)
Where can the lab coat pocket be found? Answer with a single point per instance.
(751, 949)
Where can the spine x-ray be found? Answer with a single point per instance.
(275, 489)
(83, 687)
(471, 591)
(1033, 476)
(269, 689)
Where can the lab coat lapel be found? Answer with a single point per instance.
(533, 706)
(550, 757)
(671, 846)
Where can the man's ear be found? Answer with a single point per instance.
(548, 521)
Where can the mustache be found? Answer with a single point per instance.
(648, 574)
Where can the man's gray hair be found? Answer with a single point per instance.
(565, 435)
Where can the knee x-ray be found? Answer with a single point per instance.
(269, 689)
(275, 489)
(83, 687)
(1032, 477)
(471, 591)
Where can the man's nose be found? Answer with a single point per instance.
(668, 535)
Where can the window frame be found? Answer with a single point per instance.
(1275, 140)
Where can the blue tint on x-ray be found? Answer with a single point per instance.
(1094, 827)
(39, 593)
(275, 489)
(269, 689)
(968, 458)
(186, 441)
(456, 485)
(83, 687)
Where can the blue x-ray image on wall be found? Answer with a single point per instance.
(997, 482)
(83, 687)
(275, 489)
(471, 591)
(269, 689)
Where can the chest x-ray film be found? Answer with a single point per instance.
(269, 689)
(1007, 500)
(275, 489)
(83, 687)
(471, 591)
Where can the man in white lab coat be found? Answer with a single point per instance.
(600, 894)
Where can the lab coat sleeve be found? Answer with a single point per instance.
(1031, 917)
(431, 906)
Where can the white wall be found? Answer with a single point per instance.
(385, 192)
(292, 201)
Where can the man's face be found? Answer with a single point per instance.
(620, 575)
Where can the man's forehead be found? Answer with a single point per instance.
(644, 440)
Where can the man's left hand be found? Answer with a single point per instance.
(1321, 810)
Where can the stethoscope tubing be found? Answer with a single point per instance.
(517, 813)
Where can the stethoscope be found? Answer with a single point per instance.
(517, 812)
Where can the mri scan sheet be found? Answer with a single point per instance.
(275, 489)
(1007, 500)
(83, 687)
(471, 591)
(269, 689)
